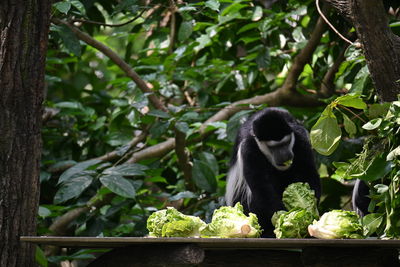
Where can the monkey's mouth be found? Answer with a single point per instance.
(286, 163)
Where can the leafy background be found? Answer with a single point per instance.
(109, 158)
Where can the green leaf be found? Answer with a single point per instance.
(40, 257)
(159, 114)
(203, 176)
(72, 188)
(182, 126)
(378, 110)
(44, 212)
(373, 124)
(210, 160)
(78, 5)
(127, 169)
(257, 13)
(185, 30)
(325, 134)
(349, 125)
(353, 101)
(360, 81)
(70, 41)
(119, 185)
(371, 223)
(213, 4)
(381, 188)
(377, 169)
(181, 195)
(63, 7)
(66, 175)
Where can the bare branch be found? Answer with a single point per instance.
(327, 85)
(117, 60)
(114, 154)
(155, 151)
(109, 25)
(172, 32)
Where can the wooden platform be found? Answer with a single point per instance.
(207, 252)
(209, 243)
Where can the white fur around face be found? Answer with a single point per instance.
(264, 147)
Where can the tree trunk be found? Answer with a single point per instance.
(23, 42)
(381, 46)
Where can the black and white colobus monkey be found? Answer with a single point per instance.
(272, 150)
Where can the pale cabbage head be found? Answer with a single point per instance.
(231, 222)
(337, 224)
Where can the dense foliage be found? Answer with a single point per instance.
(139, 115)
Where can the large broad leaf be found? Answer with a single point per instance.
(210, 160)
(72, 188)
(126, 170)
(349, 125)
(63, 7)
(377, 169)
(119, 185)
(181, 195)
(70, 41)
(353, 101)
(203, 176)
(185, 30)
(371, 223)
(373, 124)
(65, 176)
(325, 134)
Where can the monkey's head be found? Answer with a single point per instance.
(275, 138)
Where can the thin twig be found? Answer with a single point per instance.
(109, 25)
(330, 24)
(354, 114)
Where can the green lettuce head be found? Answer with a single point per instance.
(170, 222)
(230, 222)
(292, 224)
(300, 196)
(337, 224)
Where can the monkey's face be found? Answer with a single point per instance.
(278, 152)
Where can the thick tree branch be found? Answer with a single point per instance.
(381, 47)
(117, 60)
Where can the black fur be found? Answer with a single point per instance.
(265, 182)
(360, 198)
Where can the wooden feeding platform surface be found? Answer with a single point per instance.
(143, 251)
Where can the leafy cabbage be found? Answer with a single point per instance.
(170, 222)
(300, 196)
(337, 224)
(293, 223)
(230, 222)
